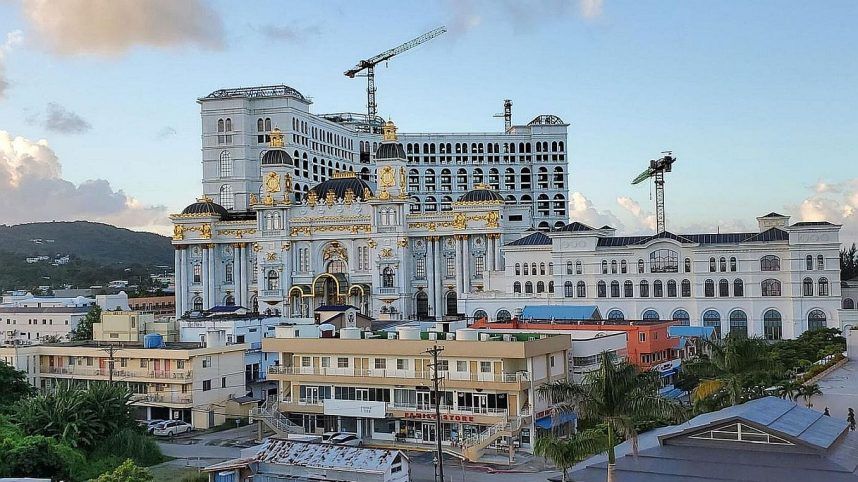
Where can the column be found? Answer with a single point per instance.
(236, 274)
(245, 268)
(180, 287)
(212, 283)
(431, 276)
(497, 249)
(490, 254)
(205, 279)
(466, 264)
(459, 274)
(440, 275)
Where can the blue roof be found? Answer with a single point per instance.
(687, 331)
(556, 312)
(535, 239)
(558, 419)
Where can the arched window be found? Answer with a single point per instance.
(533, 269)
(738, 323)
(503, 315)
(225, 164)
(540, 286)
(816, 320)
(711, 265)
(526, 269)
(713, 318)
(848, 304)
(770, 263)
(650, 315)
(808, 260)
(643, 289)
(738, 287)
(772, 326)
(516, 287)
(568, 289)
(220, 125)
(528, 287)
(337, 266)
(686, 288)
(723, 264)
(770, 287)
(480, 315)
(823, 286)
(272, 280)
(578, 268)
(569, 269)
(682, 317)
(581, 290)
(615, 289)
(616, 315)
(657, 289)
(623, 267)
(229, 300)
(820, 262)
(226, 198)
(687, 265)
(640, 266)
(628, 289)
(387, 277)
(604, 266)
(601, 291)
(197, 304)
(807, 285)
(541, 269)
(709, 288)
(671, 289)
(733, 263)
(723, 288)
(518, 269)
(664, 261)
(228, 124)
(267, 123)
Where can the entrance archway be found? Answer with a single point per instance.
(422, 305)
(452, 305)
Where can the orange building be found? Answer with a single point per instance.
(647, 342)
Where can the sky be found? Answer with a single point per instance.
(758, 100)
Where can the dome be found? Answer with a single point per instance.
(390, 150)
(339, 184)
(205, 206)
(276, 156)
(481, 194)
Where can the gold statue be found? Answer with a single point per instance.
(206, 231)
(330, 198)
(312, 198)
(402, 179)
(387, 177)
(178, 232)
(287, 182)
(492, 218)
(268, 200)
(460, 221)
(389, 131)
(272, 182)
(349, 197)
(254, 199)
(276, 138)
(367, 194)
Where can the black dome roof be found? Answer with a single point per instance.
(390, 150)
(276, 156)
(205, 206)
(339, 184)
(480, 195)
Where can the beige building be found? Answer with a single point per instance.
(379, 384)
(133, 326)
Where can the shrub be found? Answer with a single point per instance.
(129, 443)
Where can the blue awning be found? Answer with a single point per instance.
(558, 419)
(691, 331)
(560, 313)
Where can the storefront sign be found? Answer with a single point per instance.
(355, 408)
(446, 417)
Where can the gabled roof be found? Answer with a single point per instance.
(813, 223)
(774, 215)
(560, 313)
(536, 239)
(772, 234)
(336, 308)
(575, 226)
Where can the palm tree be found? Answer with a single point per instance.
(732, 365)
(616, 393)
(807, 392)
(564, 452)
(789, 389)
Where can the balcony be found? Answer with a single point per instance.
(86, 371)
(517, 377)
(278, 293)
(177, 398)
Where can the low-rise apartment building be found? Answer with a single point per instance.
(379, 384)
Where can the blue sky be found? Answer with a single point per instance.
(757, 99)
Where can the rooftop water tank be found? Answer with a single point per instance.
(408, 332)
(153, 340)
(350, 333)
(467, 334)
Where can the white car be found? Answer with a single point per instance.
(349, 439)
(172, 428)
(327, 436)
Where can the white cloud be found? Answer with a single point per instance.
(165, 133)
(836, 203)
(12, 39)
(112, 27)
(523, 15)
(582, 210)
(32, 189)
(642, 219)
(590, 8)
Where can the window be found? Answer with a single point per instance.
(657, 289)
(738, 287)
(770, 287)
(823, 286)
(713, 318)
(197, 304)
(616, 315)
(600, 289)
(517, 269)
(723, 288)
(807, 286)
(479, 266)
(540, 287)
(207, 361)
(624, 268)
(503, 315)
(380, 363)
(820, 262)
(451, 267)
(712, 265)
(569, 269)
(272, 280)
(527, 269)
(640, 266)
(770, 263)
(516, 287)
(650, 315)
(578, 267)
(568, 289)
(198, 273)
(643, 290)
(709, 288)
(326, 362)
(772, 326)
(613, 266)
(207, 385)
(808, 260)
(682, 317)
(848, 304)
(686, 288)
(363, 258)
(615, 289)
(387, 277)
(541, 269)
(225, 164)
(528, 287)
(581, 289)
(461, 366)
(739, 323)
(739, 432)
(723, 264)
(604, 266)
(228, 273)
(687, 265)
(223, 382)
(816, 320)
(485, 367)
(420, 268)
(671, 289)
(342, 362)
(733, 263)
(401, 364)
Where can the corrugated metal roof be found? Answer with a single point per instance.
(555, 312)
(687, 331)
(535, 239)
(773, 234)
(575, 226)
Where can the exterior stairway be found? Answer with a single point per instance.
(473, 447)
(275, 420)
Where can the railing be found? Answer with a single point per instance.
(162, 398)
(272, 417)
(388, 291)
(118, 372)
(448, 409)
(473, 446)
(274, 293)
(390, 373)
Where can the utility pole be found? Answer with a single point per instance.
(110, 363)
(436, 379)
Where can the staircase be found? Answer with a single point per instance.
(473, 447)
(275, 420)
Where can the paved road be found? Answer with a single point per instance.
(839, 391)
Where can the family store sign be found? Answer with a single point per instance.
(446, 417)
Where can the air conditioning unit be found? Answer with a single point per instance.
(391, 335)
(451, 336)
(507, 337)
(485, 337)
(433, 336)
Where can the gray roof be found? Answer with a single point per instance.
(536, 239)
(822, 448)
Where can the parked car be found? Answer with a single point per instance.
(327, 436)
(151, 424)
(349, 439)
(171, 428)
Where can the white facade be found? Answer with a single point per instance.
(785, 277)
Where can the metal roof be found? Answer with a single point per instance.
(555, 312)
(280, 90)
(536, 239)
(687, 331)
(773, 234)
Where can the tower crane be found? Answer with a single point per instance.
(369, 66)
(656, 170)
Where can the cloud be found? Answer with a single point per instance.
(582, 210)
(590, 9)
(523, 15)
(836, 203)
(643, 219)
(289, 33)
(112, 27)
(60, 120)
(165, 132)
(32, 189)
(12, 39)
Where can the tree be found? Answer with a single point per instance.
(564, 452)
(15, 385)
(83, 331)
(128, 471)
(36, 456)
(790, 390)
(735, 371)
(807, 392)
(848, 263)
(616, 393)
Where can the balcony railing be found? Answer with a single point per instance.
(410, 374)
(118, 372)
(278, 293)
(419, 407)
(162, 398)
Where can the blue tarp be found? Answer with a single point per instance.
(560, 313)
(552, 421)
(698, 331)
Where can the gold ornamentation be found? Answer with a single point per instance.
(371, 243)
(367, 194)
(402, 182)
(389, 131)
(256, 248)
(349, 197)
(402, 242)
(268, 200)
(335, 250)
(254, 199)
(206, 231)
(272, 182)
(352, 228)
(384, 195)
(272, 256)
(492, 218)
(276, 138)
(286, 246)
(386, 253)
(287, 183)
(238, 233)
(344, 175)
(460, 221)
(330, 198)
(387, 177)
(312, 198)
(178, 232)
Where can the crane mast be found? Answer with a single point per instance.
(368, 65)
(656, 171)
